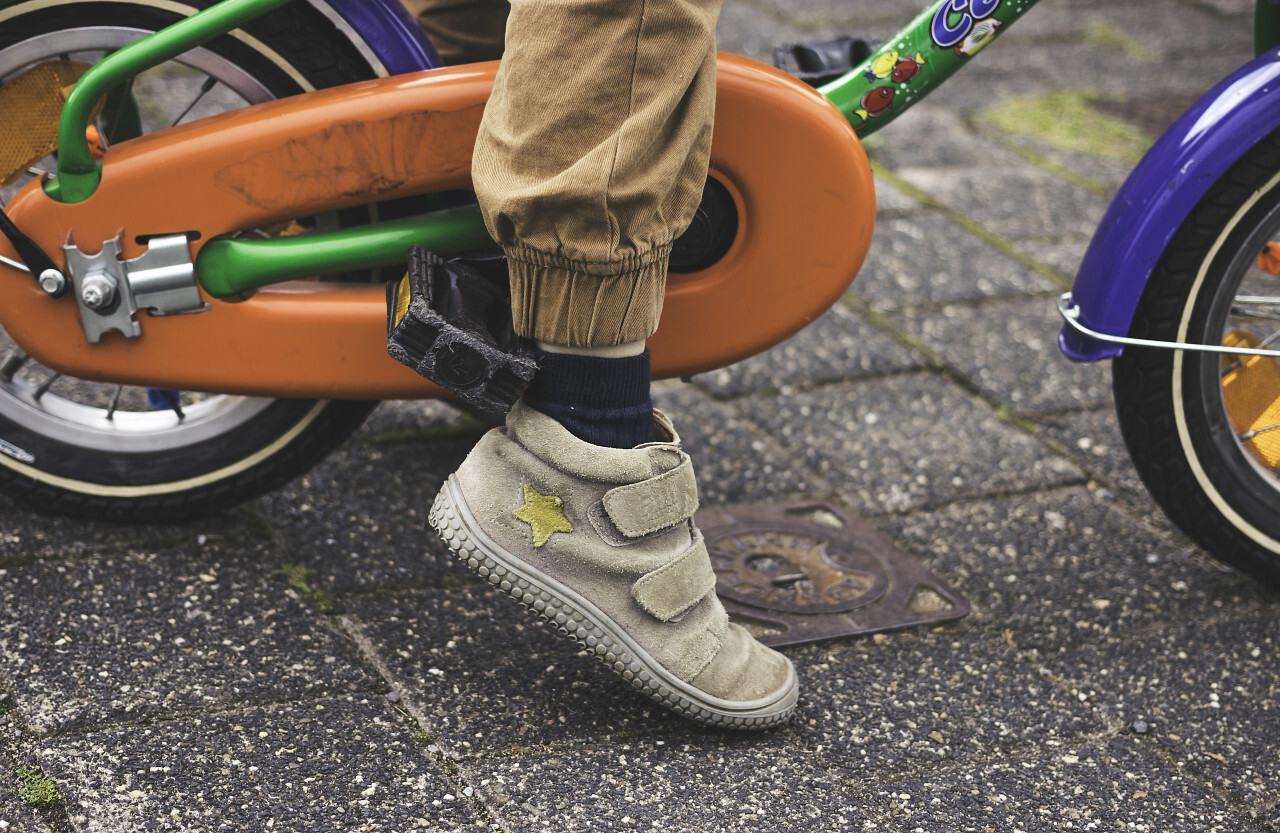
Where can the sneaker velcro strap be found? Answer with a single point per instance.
(677, 585)
(638, 509)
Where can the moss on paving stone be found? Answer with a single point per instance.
(1069, 121)
(299, 578)
(1107, 35)
(38, 789)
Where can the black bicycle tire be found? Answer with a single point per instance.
(1167, 413)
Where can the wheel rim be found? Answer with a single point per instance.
(1244, 413)
(108, 417)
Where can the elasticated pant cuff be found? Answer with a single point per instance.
(561, 302)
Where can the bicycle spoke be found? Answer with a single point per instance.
(13, 363)
(45, 385)
(1264, 344)
(166, 400)
(208, 85)
(115, 121)
(1241, 312)
(115, 402)
(1249, 435)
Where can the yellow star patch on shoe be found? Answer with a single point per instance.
(544, 514)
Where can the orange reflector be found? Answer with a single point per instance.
(32, 103)
(1251, 393)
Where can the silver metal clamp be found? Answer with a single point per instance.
(109, 290)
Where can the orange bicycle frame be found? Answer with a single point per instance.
(799, 179)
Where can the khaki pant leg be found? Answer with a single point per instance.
(592, 157)
(462, 31)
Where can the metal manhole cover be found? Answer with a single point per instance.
(804, 572)
(787, 570)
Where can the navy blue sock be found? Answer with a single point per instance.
(601, 401)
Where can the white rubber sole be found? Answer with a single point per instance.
(583, 622)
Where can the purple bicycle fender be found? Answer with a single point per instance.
(1159, 195)
(389, 30)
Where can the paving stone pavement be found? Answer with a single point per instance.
(313, 661)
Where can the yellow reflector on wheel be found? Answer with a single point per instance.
(31, 104)
(1251, 394)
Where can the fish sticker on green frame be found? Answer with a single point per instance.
(926, 52)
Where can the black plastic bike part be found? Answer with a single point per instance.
(452, 325)
(711, 233)
(822, 61)
(38, 263)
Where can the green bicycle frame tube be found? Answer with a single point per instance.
(931, 48)
(928, 51)
(227, 267)
(78, 172)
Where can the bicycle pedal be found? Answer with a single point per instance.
(453, 326)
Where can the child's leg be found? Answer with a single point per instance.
(591, 159)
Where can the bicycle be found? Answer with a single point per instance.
(241, 210)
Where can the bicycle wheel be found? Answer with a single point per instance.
(98, 450)
(1204, 429)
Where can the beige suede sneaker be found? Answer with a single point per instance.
(600, 542)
